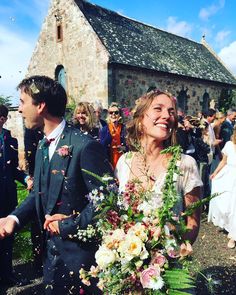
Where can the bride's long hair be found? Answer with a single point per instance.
(134, 126)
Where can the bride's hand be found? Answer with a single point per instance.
(51, 223)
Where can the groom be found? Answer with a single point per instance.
(60, 185)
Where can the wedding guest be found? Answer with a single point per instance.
(222, 209)
(112, 136)
(98, 112)
(151, 130)
(85, 119)
(8, 195)
(61, 184)
(227, 126)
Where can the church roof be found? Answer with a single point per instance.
(133, 43)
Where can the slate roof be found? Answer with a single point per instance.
(136, 44)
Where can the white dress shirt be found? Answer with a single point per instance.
(55, 134)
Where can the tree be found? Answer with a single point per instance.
(6, 100)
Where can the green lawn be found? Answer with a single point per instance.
(22, 245)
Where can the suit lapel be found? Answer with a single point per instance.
(58, 168)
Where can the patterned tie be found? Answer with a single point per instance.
(45, 146)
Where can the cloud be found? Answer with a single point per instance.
(206, 13)
(15, 52)
(180, 28)
(221, 36)
(19, 29)
(228, 55)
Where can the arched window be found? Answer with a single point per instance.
(182, 99)
(60, 75)
(205, 102)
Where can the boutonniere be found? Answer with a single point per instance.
(64, 151)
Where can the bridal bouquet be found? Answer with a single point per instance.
(141, 248)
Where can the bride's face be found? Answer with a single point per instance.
(159, 118)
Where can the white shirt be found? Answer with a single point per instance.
(56, 133)
(212, 137)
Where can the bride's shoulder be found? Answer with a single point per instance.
(125, 157)
(187, 161)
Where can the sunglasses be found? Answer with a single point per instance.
(114, 113)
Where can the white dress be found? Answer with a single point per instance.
(186, 182)
(222, 209)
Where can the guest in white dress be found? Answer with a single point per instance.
(151, 130)
(222, 209)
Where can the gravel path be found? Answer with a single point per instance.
(211, 257)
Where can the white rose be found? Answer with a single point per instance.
(131, 247)
(139, 230)
(104, 257)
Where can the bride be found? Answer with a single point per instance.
(151, 130)
(222, 209)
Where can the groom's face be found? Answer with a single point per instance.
(30, 112)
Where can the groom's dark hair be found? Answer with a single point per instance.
(45, 89)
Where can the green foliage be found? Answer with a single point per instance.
(70, 109)
(22, 245)
(6, 100)
(227, 100)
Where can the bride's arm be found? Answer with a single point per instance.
(219, 167)
(193, 221)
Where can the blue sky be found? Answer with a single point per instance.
(21, 21)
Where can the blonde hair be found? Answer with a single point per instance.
(134, 127)
(115, 105)
(88, 109)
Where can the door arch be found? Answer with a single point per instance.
(60, 75)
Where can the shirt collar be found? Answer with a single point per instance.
(57, 131)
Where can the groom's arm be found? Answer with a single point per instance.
(92, 159)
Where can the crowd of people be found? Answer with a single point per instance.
(58, 183)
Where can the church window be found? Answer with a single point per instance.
(59, 33)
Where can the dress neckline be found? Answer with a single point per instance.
(157, 184)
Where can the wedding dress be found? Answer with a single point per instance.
(187, 180)
(222, 209)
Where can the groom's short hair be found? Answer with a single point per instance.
(45, 89)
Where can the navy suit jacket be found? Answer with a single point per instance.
(66, 192)
(9, 173)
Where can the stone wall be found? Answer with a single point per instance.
(129, 84)
(15, 125)
(80, 52)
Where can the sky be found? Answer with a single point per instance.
(21, 21)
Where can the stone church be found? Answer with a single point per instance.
(100, 55)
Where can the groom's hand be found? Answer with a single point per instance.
(7, 226)
(51, 223)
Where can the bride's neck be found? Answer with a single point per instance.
(151, 149)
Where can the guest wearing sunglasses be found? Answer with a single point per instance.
(112, 136)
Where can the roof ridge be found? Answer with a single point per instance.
(139, 22)
(208, 47)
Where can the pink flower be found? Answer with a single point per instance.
(158, 259)
(186, 249)
(151, 279)
(64, 151)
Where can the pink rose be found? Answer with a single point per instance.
(149, 276)
(64, 151)
(158, 259)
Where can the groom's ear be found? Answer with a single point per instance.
(42, 108)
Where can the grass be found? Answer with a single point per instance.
(22, 245)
